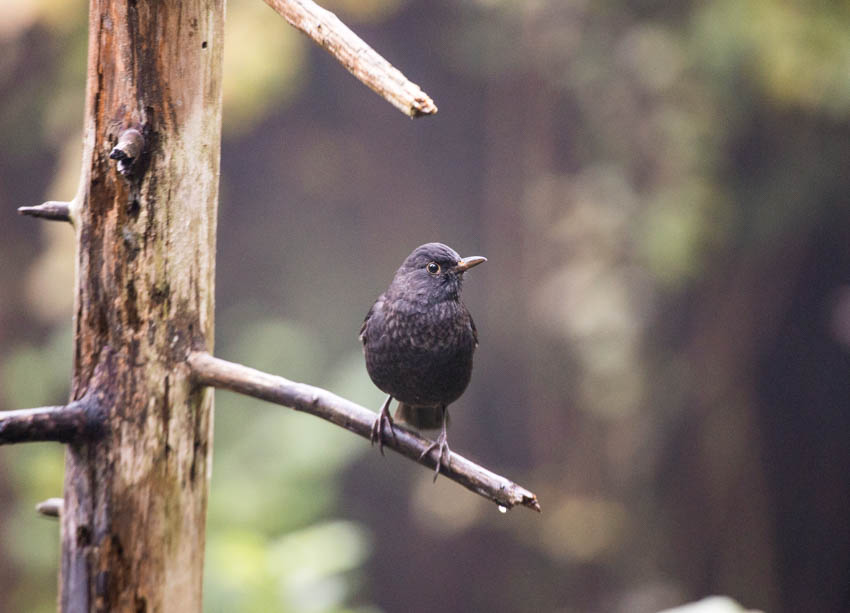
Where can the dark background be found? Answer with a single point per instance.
(662, 192)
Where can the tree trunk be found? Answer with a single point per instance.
(135, 500)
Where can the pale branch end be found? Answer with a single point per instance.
(215, 372)
(359, 59)
(53, 210)
(52, 507)
(62, 424)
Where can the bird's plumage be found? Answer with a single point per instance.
(419, 337)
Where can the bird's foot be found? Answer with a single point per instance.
(382, 422)
(442, 445)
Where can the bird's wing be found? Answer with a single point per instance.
(364, 326)
(363, 329)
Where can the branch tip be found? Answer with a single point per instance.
(53, 210)
(52, 507)
(423, 106)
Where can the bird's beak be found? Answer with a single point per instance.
(467, 263)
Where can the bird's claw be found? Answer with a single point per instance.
(443, 446)
(383, 421)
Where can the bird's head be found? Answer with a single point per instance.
(433, 271)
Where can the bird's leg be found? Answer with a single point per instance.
(384, 420)
(441, 444)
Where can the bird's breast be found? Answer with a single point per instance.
(421, 356)
(442, 327)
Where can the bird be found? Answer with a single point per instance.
(418, 341)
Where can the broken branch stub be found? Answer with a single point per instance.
(130, 145)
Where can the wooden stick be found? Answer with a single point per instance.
(53, 210)
(52, 507)
(359, 59)
(208, 370)
(62, 424)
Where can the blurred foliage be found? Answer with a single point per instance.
(272, 541)
(661, 191)
(263, 63)
(34, 376)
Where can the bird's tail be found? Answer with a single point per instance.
(421, 418)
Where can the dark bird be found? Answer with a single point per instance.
(418, 339)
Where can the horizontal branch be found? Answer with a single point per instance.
(62, 424)
(54, 210)
(359, 59)
(219, 373)
(52, 507)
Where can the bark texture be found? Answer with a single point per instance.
(135, 499)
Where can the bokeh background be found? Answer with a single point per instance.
(662, 192)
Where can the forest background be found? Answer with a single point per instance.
(662, 192)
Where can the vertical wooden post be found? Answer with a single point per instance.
(135, 500)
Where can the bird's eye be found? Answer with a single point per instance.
(433, 268)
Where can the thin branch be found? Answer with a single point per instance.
(359, 59)
(54, 210)
(52, 507)
(63, 424)
(216, 372)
